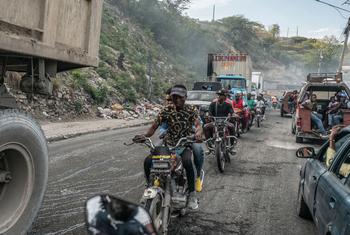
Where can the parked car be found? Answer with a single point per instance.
(324, 192)
(324, 86)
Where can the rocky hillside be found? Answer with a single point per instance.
(128, 54)
(148, 45)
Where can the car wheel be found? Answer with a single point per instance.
(24, 156)
(302, 209)
(293, 129)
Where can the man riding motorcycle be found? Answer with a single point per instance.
(180, 118)
(219, 108)
(239, 108)
(261, 103)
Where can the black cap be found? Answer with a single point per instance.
(178, 91)
(222, 92)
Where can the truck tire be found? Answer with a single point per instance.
(24, 155)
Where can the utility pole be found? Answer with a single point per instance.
(214, 13)
(287, 32)
(345, 46)
(320, 61)
(297, 31)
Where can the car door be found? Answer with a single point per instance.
(314, 168)
(332, 205)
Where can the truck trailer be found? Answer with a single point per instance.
(38, 38)
(258, 81)
(233, 70)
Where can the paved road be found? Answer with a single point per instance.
(256, 194)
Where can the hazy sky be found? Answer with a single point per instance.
(312, 18)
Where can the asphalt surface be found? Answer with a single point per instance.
(256, 194)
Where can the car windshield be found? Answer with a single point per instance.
(202, 96)
(237, 83)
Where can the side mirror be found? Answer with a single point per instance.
(306, 152)
(107, 215)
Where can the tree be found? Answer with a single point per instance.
(330, 49)
(275, 30)
(178, 5)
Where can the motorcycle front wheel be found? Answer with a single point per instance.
(258, 122)
(220, 159)
(226, 152)
(154, 208)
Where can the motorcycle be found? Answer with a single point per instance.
(252, 117)
(258, 116)
(167, 192)
(244, 119)
(108, 215)
(223, 142)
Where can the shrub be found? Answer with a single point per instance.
(78, 105)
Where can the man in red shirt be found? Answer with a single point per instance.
(239, 108)
(238, 102)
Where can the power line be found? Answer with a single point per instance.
(340, 13)
(334, 6)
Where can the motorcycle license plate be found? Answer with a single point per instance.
(158, 164)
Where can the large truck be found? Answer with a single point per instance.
(38, 38)
(257, 82)
(233, 70)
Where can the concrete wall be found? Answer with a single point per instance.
(63, 30)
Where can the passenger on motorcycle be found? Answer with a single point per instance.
(251, 106)
(219, 108)
(180, 119)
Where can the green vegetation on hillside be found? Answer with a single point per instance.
(139, 36)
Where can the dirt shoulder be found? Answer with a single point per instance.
(64, 130)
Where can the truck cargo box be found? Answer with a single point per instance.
(229, 64)
(64, 31)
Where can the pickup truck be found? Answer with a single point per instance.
(324, 192)
(324, 86)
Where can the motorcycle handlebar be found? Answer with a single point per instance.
(183, 141)
(220, 118)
